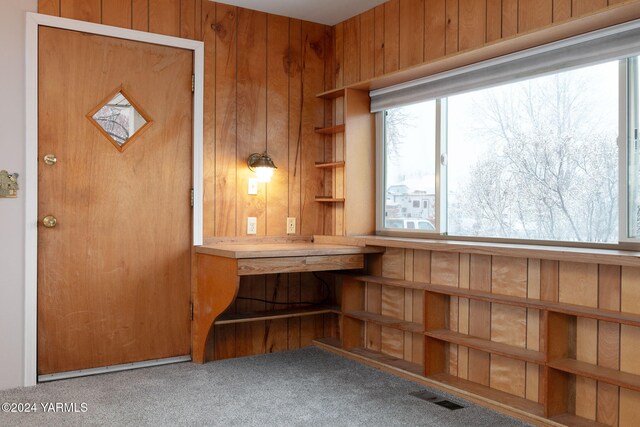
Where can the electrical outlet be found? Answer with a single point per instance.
(291, 225)
(252, 225)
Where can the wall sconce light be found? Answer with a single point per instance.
(262, 165)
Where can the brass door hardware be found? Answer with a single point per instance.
(49, 221)
(50, 159)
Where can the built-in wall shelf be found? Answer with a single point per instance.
(332, 94)
(387, 321)
(329, 199)
(330, 164)
(487, 345)
(599, 373)
(381, 358)
(331, 130)
(575, 421)
(227, 319)
(489, 393)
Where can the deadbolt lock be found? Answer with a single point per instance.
(50, 159)
(49, 221)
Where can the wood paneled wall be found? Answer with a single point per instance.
(598, 342)
(262, 73)
(402, 33)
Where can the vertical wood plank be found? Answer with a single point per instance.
(367, 44)
(391, 35)
(630, 345)
(294, 71)
(480, 317)
(435, 24)
(293, 325)
(393, 266)
(226, 124)
(277, 122)
(561, 10)
(452, 27)
(533, 330)
(49, 7)
(472, 23)
(583, 7)
(187, 19)
(494, 20)
(411, 32)
(140, 15)
(421, 273)
(445, 268)
(275, 334)
(578, 284)
(534, 14)
(312, 147)
(117, 13)
(82, 10)
(351, 50)
(339, 54)
(198, 18)
(209, 115)
(164, 17)
(509, 276)
(463, 316)
(408, 304)
(549, 280)
(374, 304)
(509, 18)
(378, 48)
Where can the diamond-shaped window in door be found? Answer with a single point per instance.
(120, 119)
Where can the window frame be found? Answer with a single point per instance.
(625, 125)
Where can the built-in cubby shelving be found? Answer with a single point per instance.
(348, 166)
(559, 367)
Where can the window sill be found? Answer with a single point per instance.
(558, 253)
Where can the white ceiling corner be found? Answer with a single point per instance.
(328, 12)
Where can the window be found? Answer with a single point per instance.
(536, 158)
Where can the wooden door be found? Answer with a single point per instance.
(114, 271)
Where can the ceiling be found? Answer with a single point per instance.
(329, 12)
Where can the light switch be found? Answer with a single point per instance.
(253, 186)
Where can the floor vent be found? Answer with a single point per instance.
(434, 398)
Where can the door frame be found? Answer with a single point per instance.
(33, 22)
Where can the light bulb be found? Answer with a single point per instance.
(264, 174)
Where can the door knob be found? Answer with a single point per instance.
(50, 159)
(49, 221)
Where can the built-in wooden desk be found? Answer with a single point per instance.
(220, 266)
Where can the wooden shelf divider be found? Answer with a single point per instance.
(275, 314)
(331, 130)
(487, 345)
